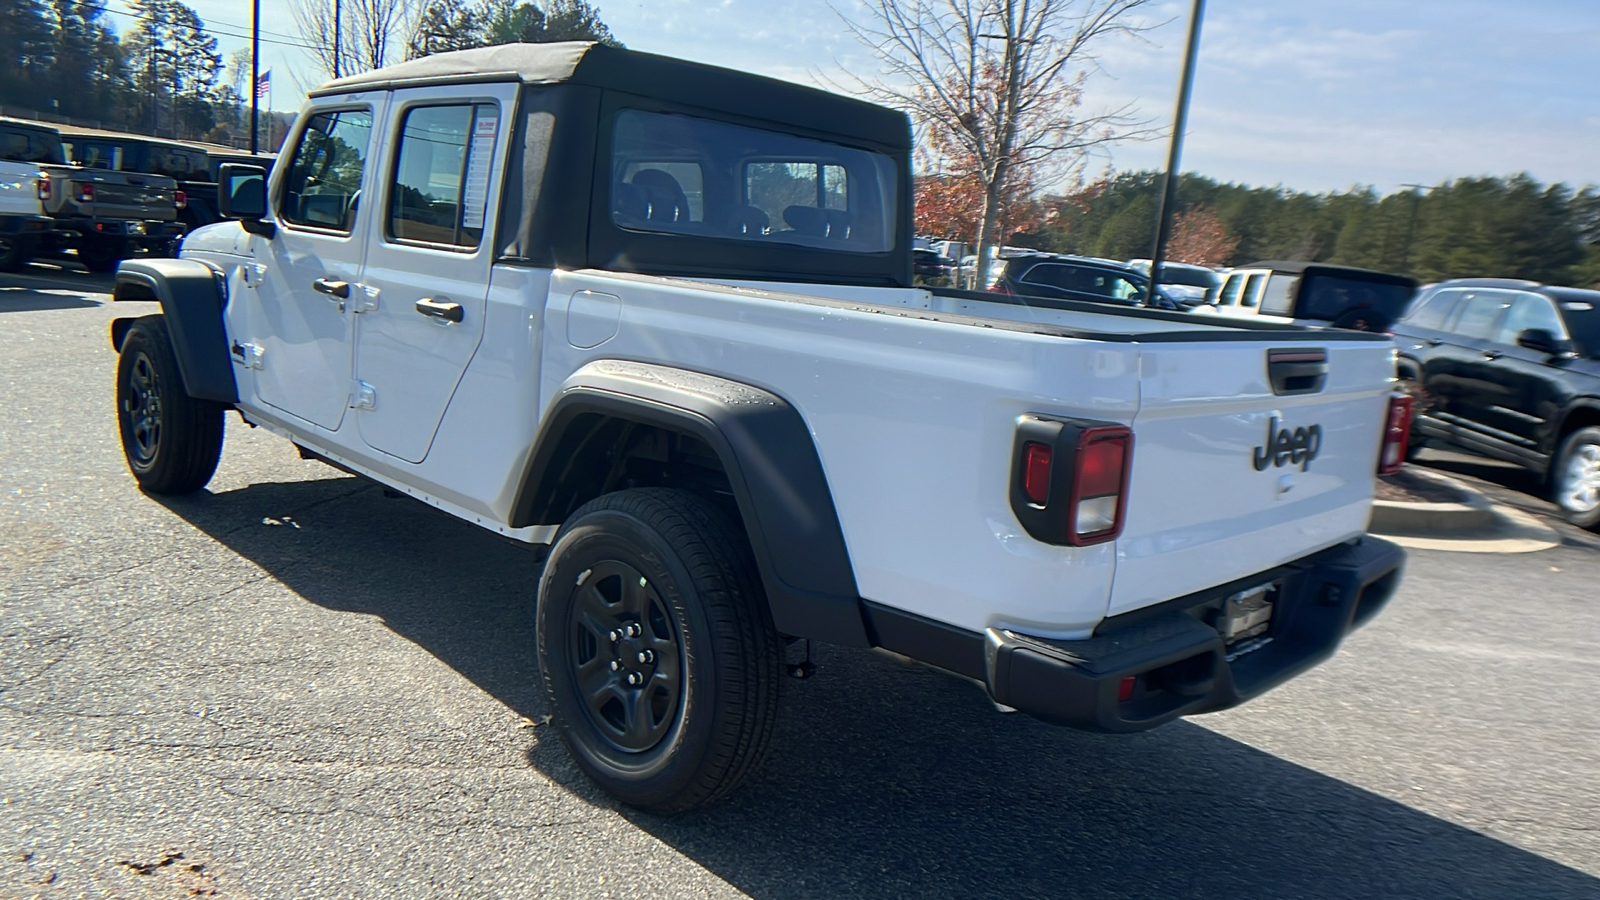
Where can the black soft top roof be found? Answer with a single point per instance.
(1301, 267)
(647, 75)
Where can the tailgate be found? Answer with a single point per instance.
(119, 195)
(1233, 474)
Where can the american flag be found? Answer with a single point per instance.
(264, 84)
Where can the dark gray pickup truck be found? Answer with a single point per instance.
(105, 215)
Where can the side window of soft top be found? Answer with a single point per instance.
(323, 184)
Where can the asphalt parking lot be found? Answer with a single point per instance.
(292, 685)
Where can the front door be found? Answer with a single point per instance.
(311, 267)
(428, 261)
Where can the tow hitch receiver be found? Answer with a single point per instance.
(1244, 618)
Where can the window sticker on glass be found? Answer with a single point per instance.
(476, 191)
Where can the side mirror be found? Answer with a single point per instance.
(242, 195)
(1541, 340)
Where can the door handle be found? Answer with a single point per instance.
(339, 290)
(439, 309)
(1434, 342)
(1492, 354)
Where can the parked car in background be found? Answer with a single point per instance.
(1511, 369)
(193, 165)
(928, 264)
(103, 214)
(1189, 284)
(1078, 278)
(1315, 294)
(23, 151)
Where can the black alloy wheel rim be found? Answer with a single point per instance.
(141, 407)
(626, 657)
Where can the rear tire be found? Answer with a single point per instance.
(100, 256)
(15, 253)
(660, 660)
(1575, 478)
(172, 441)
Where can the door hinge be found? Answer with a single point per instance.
(365, 396)
(249, 355)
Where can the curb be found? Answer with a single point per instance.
(1404, 517)
(1475, 525)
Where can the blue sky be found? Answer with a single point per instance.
(1309, 94)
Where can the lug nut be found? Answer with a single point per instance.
(615, 665)
(646, 656)
(632, 630)
(633, 678)
(615, 636)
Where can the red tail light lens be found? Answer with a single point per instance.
(1069, 479)
(1036, 473)
(180, 199)
(85, 192)
(999, 287)
(1396, 432)
(1099, 485)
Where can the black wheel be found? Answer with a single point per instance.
(100, 256)
(172, 441)
(15, 253)
(1575, 478)
(660, 660)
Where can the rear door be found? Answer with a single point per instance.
(1462, 389)
(427, 265)
(1242, 462)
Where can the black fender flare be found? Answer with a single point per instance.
(192, 295)
(772, 466)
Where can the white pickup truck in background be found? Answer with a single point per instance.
(659, 317)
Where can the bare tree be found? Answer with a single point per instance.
(996, 86)
(371, 33)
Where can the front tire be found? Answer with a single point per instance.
(172, 441)
(1575, 479)
(660, 660)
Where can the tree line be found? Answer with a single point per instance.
(154, 68)
(1513, 227)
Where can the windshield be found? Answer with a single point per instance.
(1581, 310)
(1200, 278)
(678, 174)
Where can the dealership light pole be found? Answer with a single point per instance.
(255, 72)
(1169, 193)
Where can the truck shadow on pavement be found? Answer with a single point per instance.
(15, 298)
(892, 780)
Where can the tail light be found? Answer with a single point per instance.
(1070, 480)
(1396, 431)
(999, 287)
(180, 199)
(42, 188)
(85, 191)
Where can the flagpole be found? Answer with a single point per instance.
(255, 74)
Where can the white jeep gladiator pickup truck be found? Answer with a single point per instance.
(659, 316)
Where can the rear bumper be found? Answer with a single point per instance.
(1173, 651)
(24, 225)
(1175, 654)
(139, 231)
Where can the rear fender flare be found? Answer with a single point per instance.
(193, 295)
(771, 463)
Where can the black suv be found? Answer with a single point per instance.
(1511, 369)
(1078, 278)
